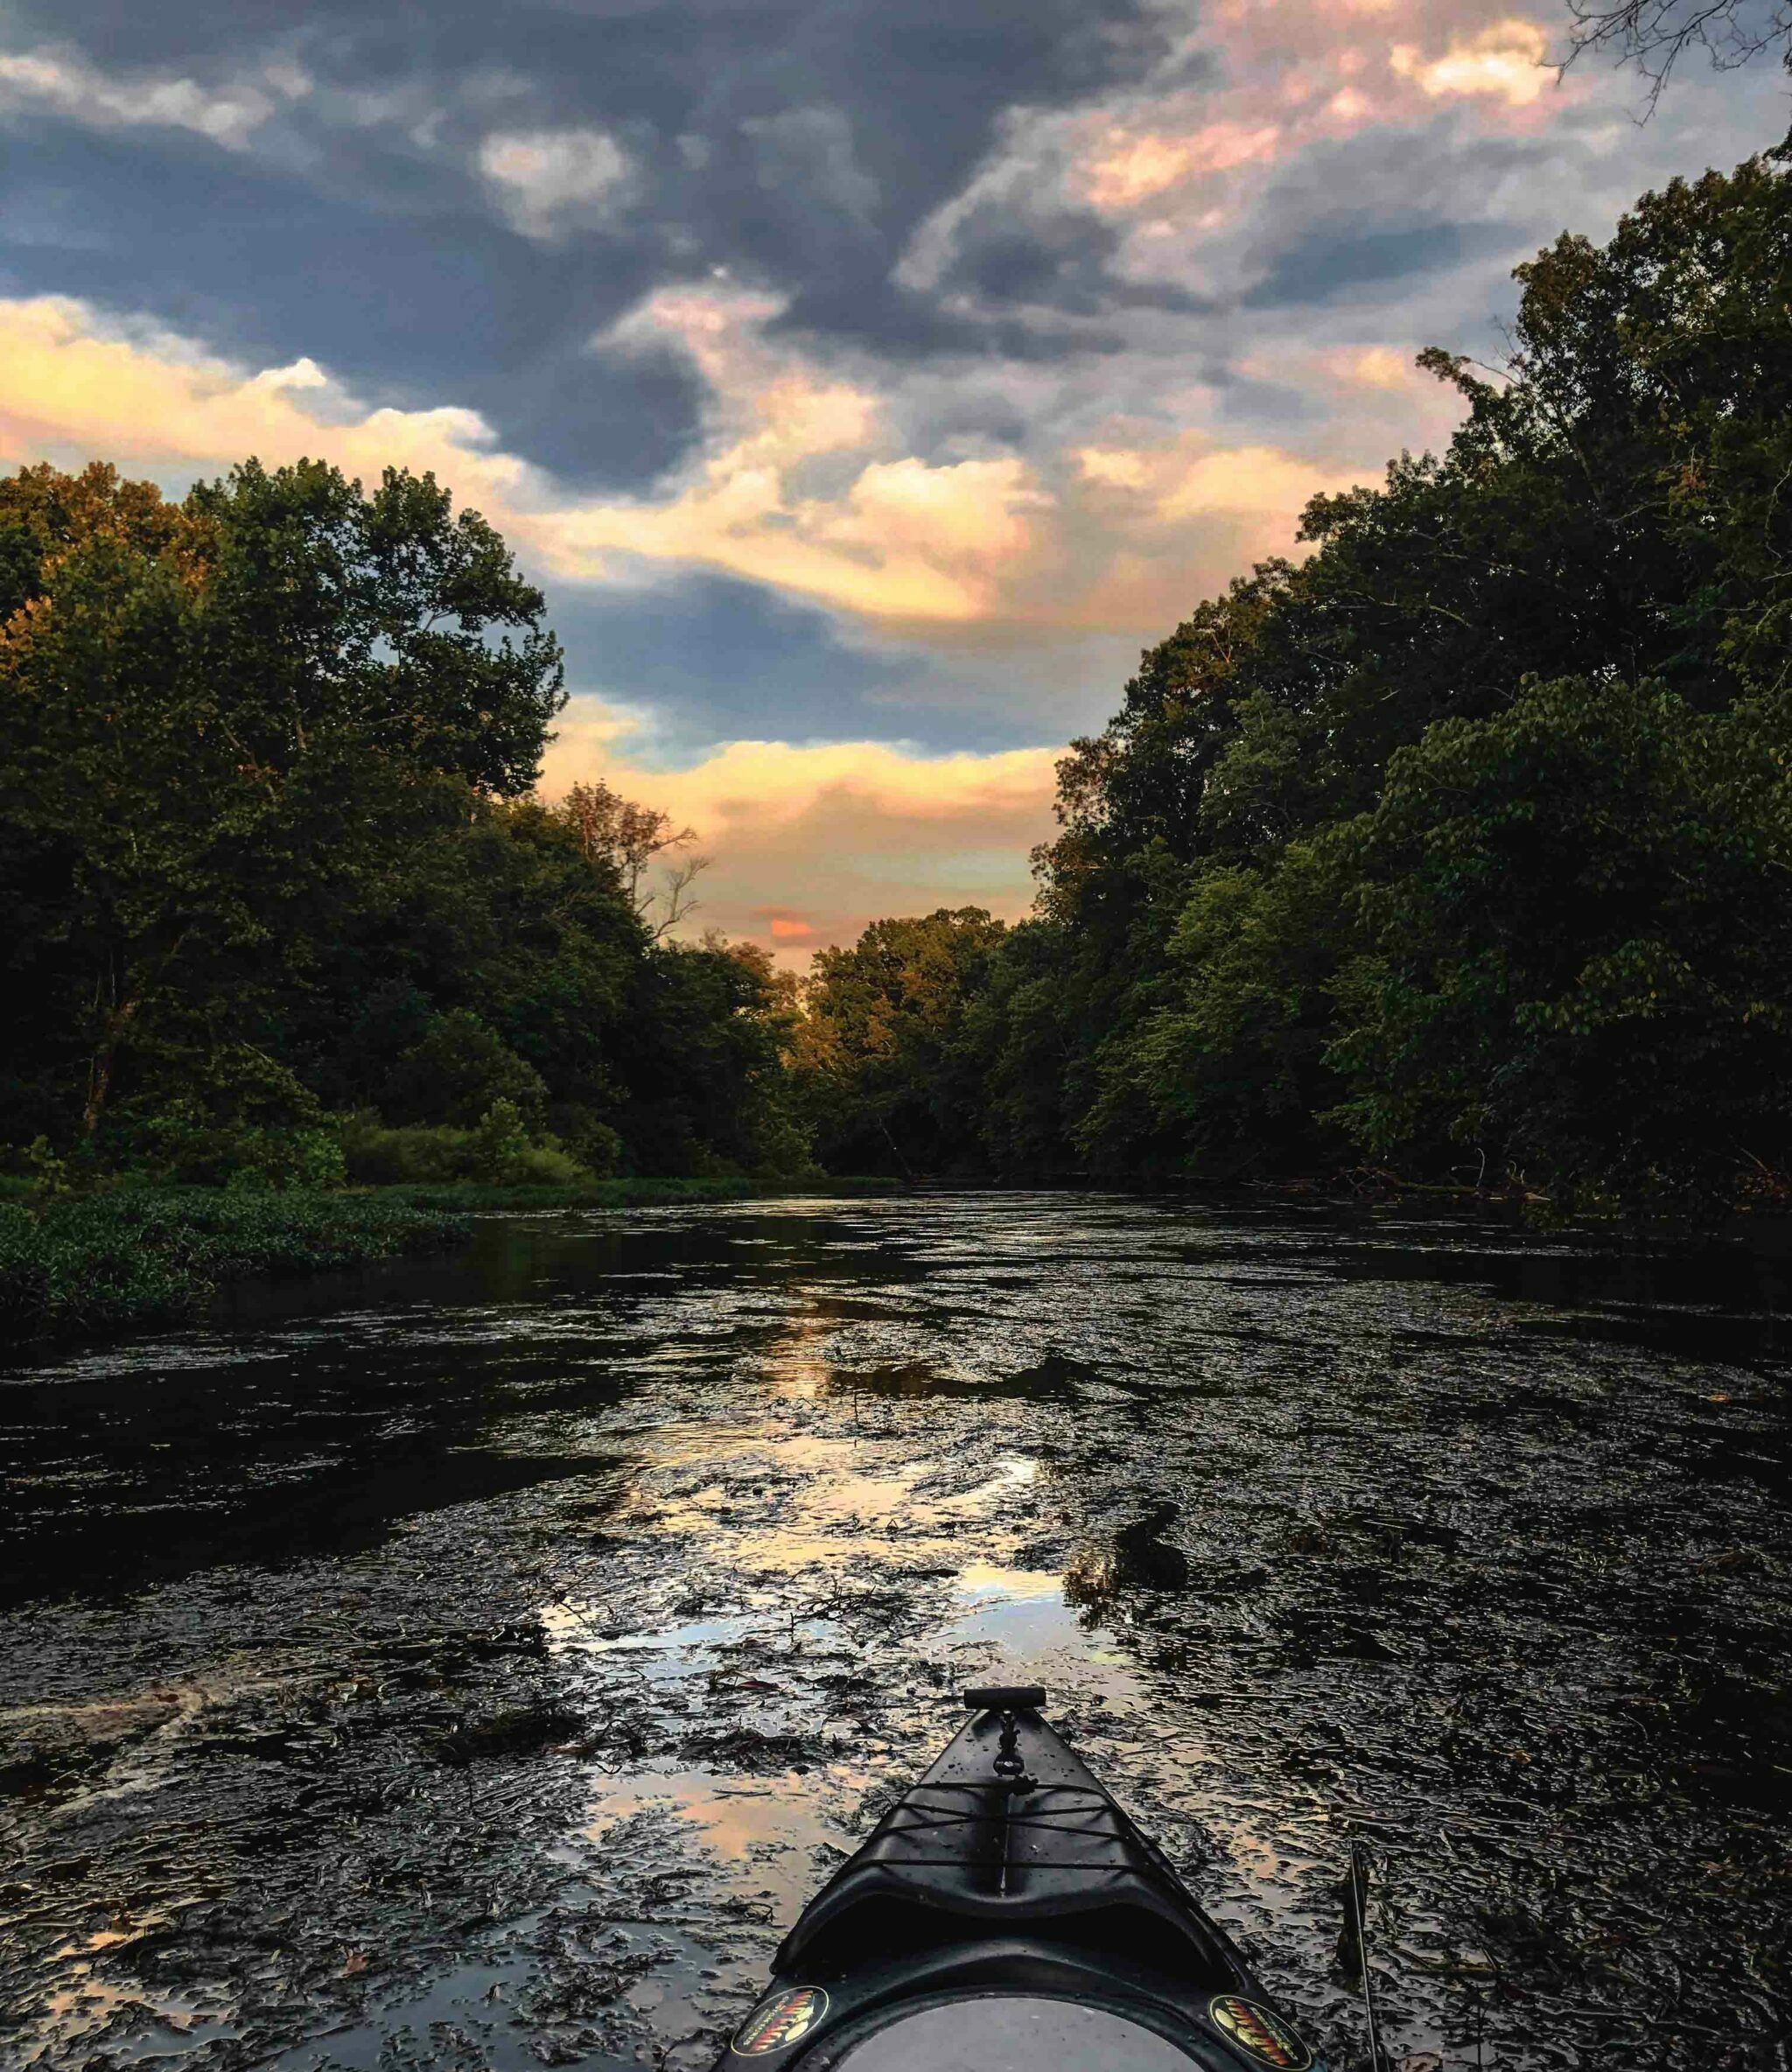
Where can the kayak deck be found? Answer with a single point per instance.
(963, 1842)
(1005, 1915)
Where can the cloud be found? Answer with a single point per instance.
(65, 83)
(1509, 61)
(1376, 367)
(875, 375)
(548, 179)
(801, 485)
(1103, 197)
(1186, 167)
(814, 843)
(80, 388)
(804, 485)
(812, 148)
(820, 839)
(1134, 168)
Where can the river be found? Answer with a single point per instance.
(473, 1664)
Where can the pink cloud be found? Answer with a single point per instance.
(858, 828)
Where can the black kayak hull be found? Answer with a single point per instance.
(1005, 1913)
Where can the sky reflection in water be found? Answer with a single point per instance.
(475, 1664)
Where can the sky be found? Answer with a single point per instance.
(865, 381)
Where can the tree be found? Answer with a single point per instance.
(269, 856)
(629, 837)
(701, 1064)
(1578, 960)
(211, 716)
(1227, 1071)
(384, 626)
(884, 1058)
(1611, 513)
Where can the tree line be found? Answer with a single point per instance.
(1459, 849)
(281, 902)
(1456, 847)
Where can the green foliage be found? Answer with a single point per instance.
(246, 1122)
(1456, 845)
(113, 1261)
(884, 1056)
(263, 840)
(186, 1146)
(1228, 1072)
(457, 1069)
(216, 720)
(1460, 844)
(1578, 947)
(701, 1056)
(497, 1151)
(588, 1138)
(630, 1193)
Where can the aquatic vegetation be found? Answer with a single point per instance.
(510, 1654)
(138, 1255)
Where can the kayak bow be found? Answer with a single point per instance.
(1006, 1916)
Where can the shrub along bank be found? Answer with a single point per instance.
(143, 1256)
(137, 1256)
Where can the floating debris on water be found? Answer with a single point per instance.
(475, 1664)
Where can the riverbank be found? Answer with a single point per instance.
(133, 1257)
(107, 1262)
(470, 1196)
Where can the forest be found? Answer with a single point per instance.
(1453, 848)
(284, 909)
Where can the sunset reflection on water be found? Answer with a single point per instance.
(480, 1661)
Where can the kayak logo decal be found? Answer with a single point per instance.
(781, 2018)
(1258, 2031)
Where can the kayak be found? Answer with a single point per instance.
(1006, 1916)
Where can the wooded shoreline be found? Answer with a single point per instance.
(1457, 844)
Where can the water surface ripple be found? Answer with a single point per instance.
(473, 1665)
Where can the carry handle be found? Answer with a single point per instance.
(1004, 1697)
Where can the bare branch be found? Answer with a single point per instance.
(674, 892)
(612, 829)
(1654, 35)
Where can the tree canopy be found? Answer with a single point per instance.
(269, 851)
(1455, 844)
(1459, 842)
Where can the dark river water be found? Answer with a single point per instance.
(474, 1664)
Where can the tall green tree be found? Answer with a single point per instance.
(1575, 946)
(208, 715)
(1611, 515)
(886, 1064)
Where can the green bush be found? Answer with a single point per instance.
(243, 1120)
(186, 1147)
(136, 1255)
(498, 1151)
(404, 1155)
(588, 1137)
(457, 1070)
(502, 1151)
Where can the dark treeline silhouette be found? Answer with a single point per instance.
(276, 888)
(1460, 848)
